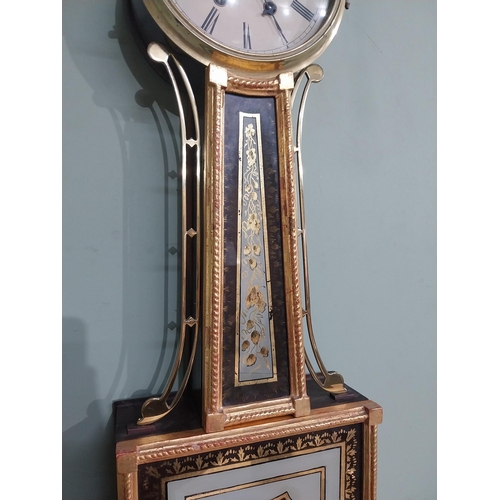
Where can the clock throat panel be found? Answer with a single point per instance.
(255, 329)
(254, 355)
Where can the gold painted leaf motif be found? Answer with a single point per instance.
(255, 298)
(251, 360)
(255, 337)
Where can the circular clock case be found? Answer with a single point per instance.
(249, 37)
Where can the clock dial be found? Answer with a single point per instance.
(256, 26)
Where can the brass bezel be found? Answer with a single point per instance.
(194, 42)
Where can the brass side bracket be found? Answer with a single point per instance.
(333, 382)
(157, 407)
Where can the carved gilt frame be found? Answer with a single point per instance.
(216, 416)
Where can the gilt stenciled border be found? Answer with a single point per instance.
(152, 477)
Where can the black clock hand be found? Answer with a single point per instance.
(270, 10)
(280, 30)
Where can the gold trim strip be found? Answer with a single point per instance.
(375, 417)
(374, 462)
(290, 258)
(259, 411)
(253, 87)
(171, 446)
(127, 486)
(218, 232)
(370, 461)
(213, 256)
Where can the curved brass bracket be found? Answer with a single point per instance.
(333, 382)
(157, 407)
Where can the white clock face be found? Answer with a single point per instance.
(256, 26)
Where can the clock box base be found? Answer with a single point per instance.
(329, 454)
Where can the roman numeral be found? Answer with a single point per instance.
(210, 21)
(247, 43)
(303, 11)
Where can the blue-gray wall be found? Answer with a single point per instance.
(370, 168)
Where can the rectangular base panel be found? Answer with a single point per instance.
(327, 455)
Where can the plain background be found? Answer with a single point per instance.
(370, 180)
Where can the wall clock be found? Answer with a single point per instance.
(245, 282)
(255, 38)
